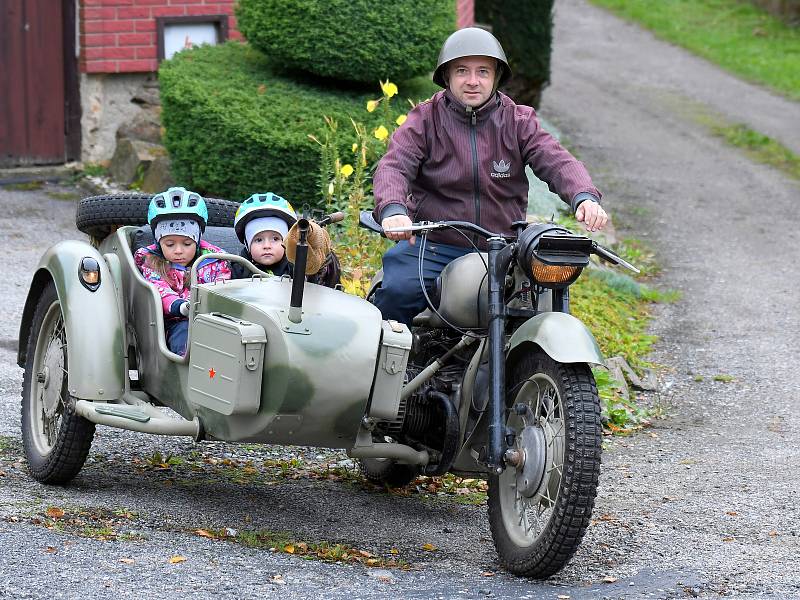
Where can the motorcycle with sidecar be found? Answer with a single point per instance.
(493, 379)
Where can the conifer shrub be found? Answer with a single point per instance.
(525, 30)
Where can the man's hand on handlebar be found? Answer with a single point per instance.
(592, 215)
(399, 221)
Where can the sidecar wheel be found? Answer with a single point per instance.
(385, 471)
(539, 510)
(56, 440)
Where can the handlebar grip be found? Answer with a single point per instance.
(366, 220)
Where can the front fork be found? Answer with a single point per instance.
(500, 254)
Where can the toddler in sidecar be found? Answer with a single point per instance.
(178, 218)
(262, 224)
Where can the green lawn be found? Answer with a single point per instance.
(731, 33)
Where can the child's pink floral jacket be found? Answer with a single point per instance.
(176, 285)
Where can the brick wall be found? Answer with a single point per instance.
(119, 36)
(465, 10)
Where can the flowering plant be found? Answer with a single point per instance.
(346, 185)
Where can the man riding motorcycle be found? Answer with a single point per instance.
(461, 155)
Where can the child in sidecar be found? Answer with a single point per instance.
(262, 224)
(178, 218)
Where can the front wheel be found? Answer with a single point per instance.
(55, 438)
(541, 505)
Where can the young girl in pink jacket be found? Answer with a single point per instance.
(178, 218)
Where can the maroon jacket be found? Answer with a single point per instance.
(448, 162)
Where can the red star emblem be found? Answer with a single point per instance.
(211, 372)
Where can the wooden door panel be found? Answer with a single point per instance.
(13, 137)
(32, 79)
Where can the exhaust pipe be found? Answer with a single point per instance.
(136, 415)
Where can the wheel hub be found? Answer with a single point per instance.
(51, 378)
(532, 447)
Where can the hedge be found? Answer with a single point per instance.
(525, 30)
(233, 127)
(350, 40)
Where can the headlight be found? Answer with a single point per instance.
(552, 256)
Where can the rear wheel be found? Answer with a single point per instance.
(56, 440)
(98, 216)
(541, 505)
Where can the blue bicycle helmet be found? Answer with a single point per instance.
(175, 203)
(262, 205)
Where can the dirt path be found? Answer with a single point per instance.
(714, 489)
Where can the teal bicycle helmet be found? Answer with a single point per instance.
(262, 205)
(175, 203)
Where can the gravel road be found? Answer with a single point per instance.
(704, 504)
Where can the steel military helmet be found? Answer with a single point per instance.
(262, 205)
(175, 203)
(471, 41)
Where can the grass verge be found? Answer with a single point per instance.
(735, 35)
(286, 543)
(758, 146)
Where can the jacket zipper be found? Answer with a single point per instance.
(476, 190)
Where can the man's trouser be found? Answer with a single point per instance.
(400, 296)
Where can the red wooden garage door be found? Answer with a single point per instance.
(33, 115)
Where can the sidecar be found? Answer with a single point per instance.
(93, 348)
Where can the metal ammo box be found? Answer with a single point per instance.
(391, 370)
(225, 364)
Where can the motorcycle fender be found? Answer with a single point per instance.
(95, 329)
(562, 337)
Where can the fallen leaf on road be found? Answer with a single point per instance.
(205, 534)
(127, 561)
(487, 574)
(394, 551)
(562, 597)
(609, 579)
(773, 533)
(278, 579)
(429, 547)
(54, 512)
(51, 550)
(732, 513)
(177, 559)
(728, 539)
(289, 548)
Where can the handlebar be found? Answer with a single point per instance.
(366, 220)
(331, 219)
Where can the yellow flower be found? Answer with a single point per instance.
(381, 133)
(401, 119)
(355, 147)
(372, 105)
(388, 88)
(346, 170)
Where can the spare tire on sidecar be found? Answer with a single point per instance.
(98, 216)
